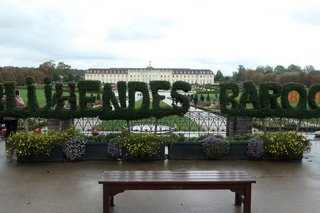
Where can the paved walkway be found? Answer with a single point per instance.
(282, 187)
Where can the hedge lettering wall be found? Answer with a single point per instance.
(269, 100)
(111, 109)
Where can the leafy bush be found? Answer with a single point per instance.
(181, 137)
(74, 148)
(238, 138)
(142, 146)
(215, 148)
(286, 145)
(255, 148)
(101, 138)
(30, 144)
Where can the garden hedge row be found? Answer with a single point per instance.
(111, 109)
(268, 100)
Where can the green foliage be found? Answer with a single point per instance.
(239, 138)
(85, 86)
(142, 146)
(143, 111)
(59, 105)
(226, 99)
(249, 96)
(286, 145)
(313, 90)
(303, 96)
(208, 98)
(273, 100)
(48, 93)
(101, 138)
(269, 101)
(32, 103)
(1, 95)
(184, 100)
(26, 144)
(122, 89)
(155, 87)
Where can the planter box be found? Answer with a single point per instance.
(56, 156)
(193, 150)
(268, 156)
(186, 151)
(237, 151)
(96, 151)
(161, 156)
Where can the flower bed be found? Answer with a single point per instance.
(275, 146)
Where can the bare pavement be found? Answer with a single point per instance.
(282, 187)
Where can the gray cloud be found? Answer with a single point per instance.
(141, 28)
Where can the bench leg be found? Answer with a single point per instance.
(111, 201)
(106, 196)
(247, 199)
(237, 200)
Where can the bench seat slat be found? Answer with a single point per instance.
(168, 176)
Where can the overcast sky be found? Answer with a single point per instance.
(204, 34)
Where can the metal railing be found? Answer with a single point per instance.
(193, 124)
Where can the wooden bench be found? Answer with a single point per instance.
(115, 182)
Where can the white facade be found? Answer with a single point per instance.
(113, 75)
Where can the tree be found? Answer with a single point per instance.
(62, 72)
(294, 68)
(279, 69)
(47, 68)
(219, 76)
(309, 69)
(240, 75)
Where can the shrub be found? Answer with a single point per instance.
(255, 148)
(30, 144)
(286, 145)
(142, 146)
(238, 138)
(101, 138)
(74, 148)
(215, 148)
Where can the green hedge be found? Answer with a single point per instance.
(56, 102)
(270, 99)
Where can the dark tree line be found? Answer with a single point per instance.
(60, 72)
(293, 73)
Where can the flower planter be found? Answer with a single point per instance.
(96, 151)
(55, 156)
(186, 151)
(161, 155)
(237, 151)
(268, 156)
(193, 150)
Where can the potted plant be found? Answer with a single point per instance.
(142, 146)
(74, 148)
(31, 147)
(286, 145)
(114, 149)
(215, 148)
(255, 148)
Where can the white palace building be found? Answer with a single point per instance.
(113, 75)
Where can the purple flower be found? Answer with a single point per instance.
(255, 148)
(215, 148)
